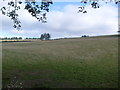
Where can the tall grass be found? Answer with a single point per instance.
(67, 63)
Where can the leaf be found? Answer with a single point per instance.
(3, 12)
(37, 6)
(14, 26)
(84, 11)
(4, 8)
(20, 2)
(19, 25)
(47, 10)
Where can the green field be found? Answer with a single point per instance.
(90, 62)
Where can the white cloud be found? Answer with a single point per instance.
(68, 22)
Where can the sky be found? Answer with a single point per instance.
(64, 21)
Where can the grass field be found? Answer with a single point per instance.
(66, 63)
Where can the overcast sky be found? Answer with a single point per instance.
(64, 21)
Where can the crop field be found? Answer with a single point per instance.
(90, 62)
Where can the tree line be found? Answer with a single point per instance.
(12, 38)
(44, 36)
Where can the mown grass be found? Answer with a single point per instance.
(67, 63)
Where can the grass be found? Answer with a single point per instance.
(66, 63)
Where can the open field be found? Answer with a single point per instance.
(66, 63)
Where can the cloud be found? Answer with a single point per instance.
(68, 22)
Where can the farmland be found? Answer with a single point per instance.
(90, 62)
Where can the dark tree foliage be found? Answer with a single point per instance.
(85, 36)
(45, 36)
(12, 13)
(42, 37)
(36, 9)
(94, 4)
(40, 9)
(12, 38)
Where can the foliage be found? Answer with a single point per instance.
(94, 4)
(36, 9)
(45, 36)
(39, 10)
(12, 13)
(85, 36)
(12, 38)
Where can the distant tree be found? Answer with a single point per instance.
(20, 37)
(42, 37)
(29, 38)
(48, 36)
(34, 38)
(8, 38)
(15, 38)
(85, 36)
(45, 36)
(5, 38)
